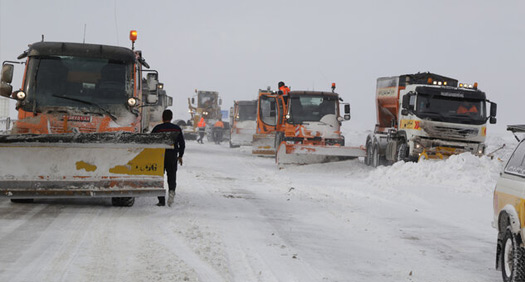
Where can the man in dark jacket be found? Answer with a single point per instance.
(172, 155)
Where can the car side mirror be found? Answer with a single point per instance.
(192, 100)
(6, 89)
(169, 102)
(220, 102)
(492, 120)
(404, 112)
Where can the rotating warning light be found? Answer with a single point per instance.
(133, 35)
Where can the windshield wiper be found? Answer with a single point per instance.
(114, 118)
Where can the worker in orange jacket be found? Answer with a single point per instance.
(202, 129)
(218, 128)
(467, 108)
(283, 89)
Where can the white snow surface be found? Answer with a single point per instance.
(237, 217)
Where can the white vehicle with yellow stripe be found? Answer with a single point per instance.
(426, 115)
(509, 215)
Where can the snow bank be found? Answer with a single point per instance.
(463, 173)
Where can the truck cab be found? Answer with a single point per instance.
(76, 87)
(441, 120)
(425, 115)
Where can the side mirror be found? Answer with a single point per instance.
(404, 112)
(405, 104)
(152, 99)
(492, 120)
(493, 109)
(193, 100)
(220, 102)
(169, 102)
(7, 73)
(231, 113)
(6, 89)
(347, 112)
(347, 109)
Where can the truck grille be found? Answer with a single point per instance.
(449, 132)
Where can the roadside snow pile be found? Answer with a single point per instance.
(464, 173)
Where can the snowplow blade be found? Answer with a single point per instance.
(263, 144)
(300, 154)
(83, 165)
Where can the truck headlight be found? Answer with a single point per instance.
(132, 102)
(20, 95)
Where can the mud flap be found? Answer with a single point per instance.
(83, 165)
(309, 154)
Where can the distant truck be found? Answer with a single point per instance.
(425, 115)
(243, 121)
(156, 99)
(207, 106)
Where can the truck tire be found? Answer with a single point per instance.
(369, 153)
(402, 152)
(122, 201)
(512, 258)
(375, 156)
(22, 201)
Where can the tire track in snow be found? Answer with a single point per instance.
(274, 256)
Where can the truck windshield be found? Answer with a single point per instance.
(451, 109)
(311, 108)
(64, 81)
(207, 100)
(247, 112)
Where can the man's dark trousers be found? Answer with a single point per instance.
(170, 166)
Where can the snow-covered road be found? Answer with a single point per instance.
(239, 218)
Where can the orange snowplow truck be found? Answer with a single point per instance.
(271, 109)
(307, 126)
(80, 125)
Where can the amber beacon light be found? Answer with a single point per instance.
(133, 35)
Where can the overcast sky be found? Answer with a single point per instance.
(238, 47)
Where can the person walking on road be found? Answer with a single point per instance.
(202, 129)
(218, 128)
(171, 156)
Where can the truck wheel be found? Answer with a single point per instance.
(402, 152)
(512, 258)
(22, 201)
(375, 156)
(122, 201)
(369, 154)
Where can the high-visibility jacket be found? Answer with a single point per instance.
(463, 110)
(219, 124)
(201, 123)
(284, 89)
